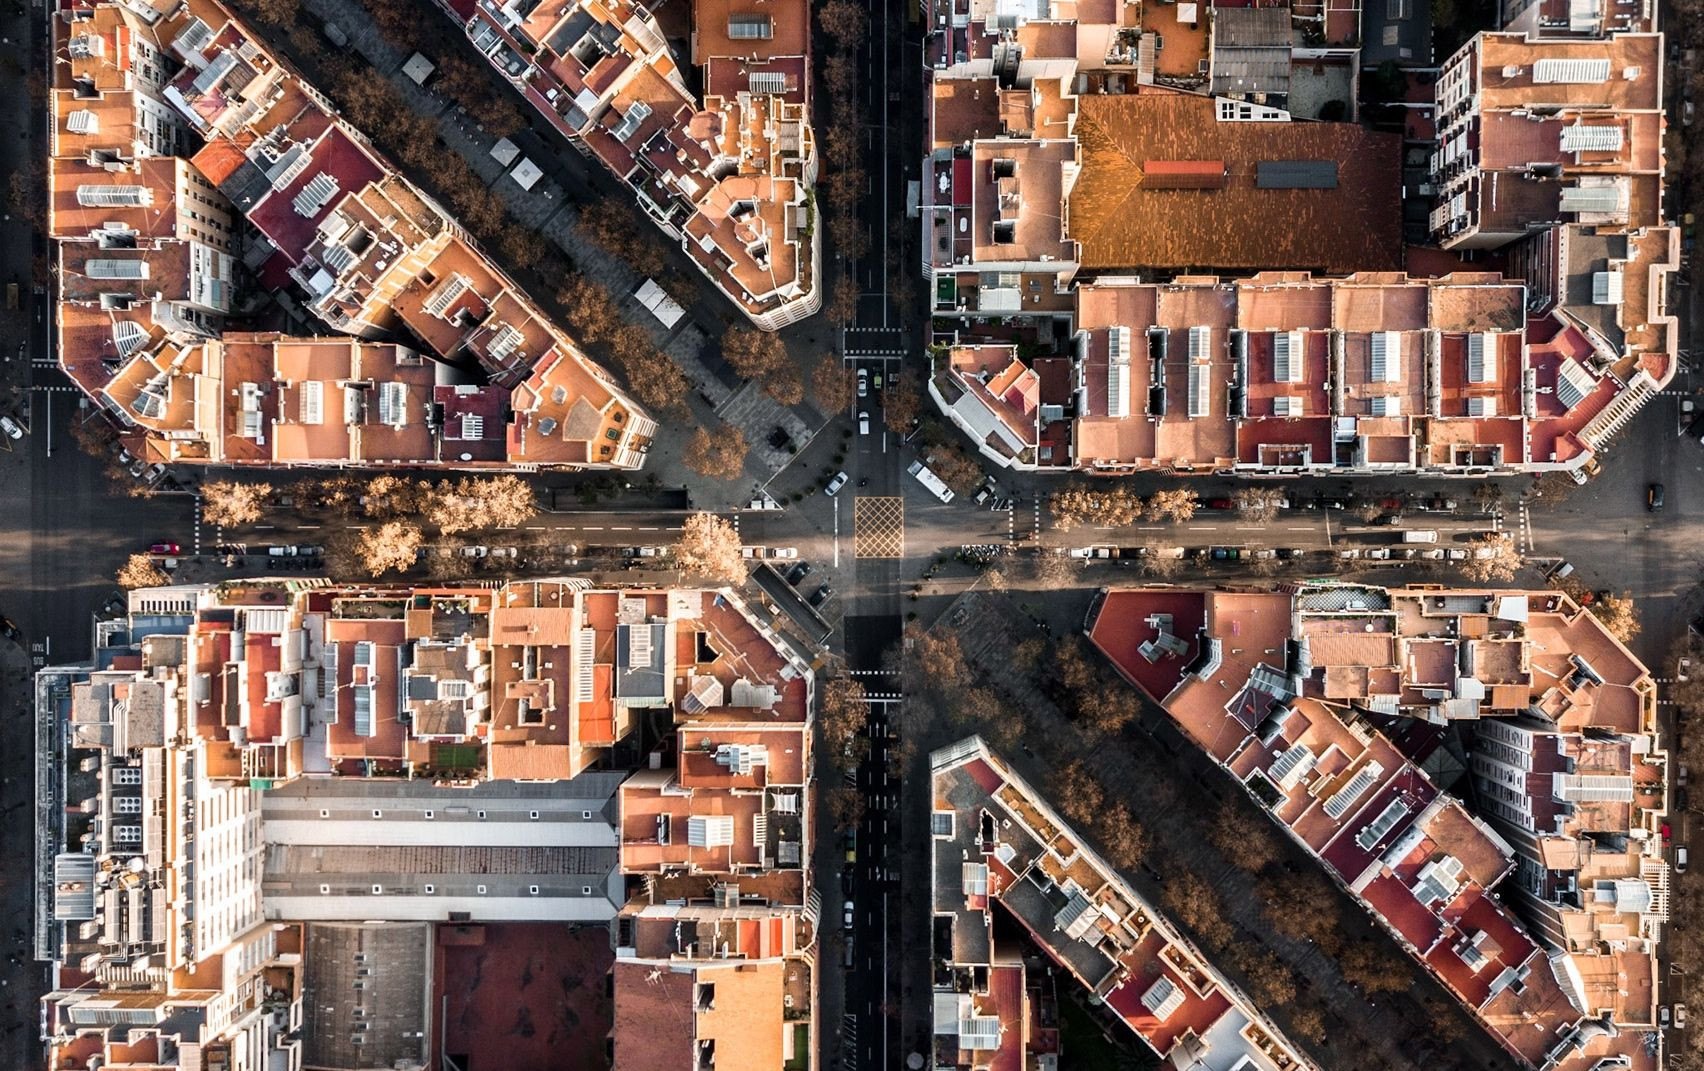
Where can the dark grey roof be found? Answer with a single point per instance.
(366, 981)
(1296, 175)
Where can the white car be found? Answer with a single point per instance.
(863, 383)
(10, 427)
(848, 913)
(835, 485)
(863, 422)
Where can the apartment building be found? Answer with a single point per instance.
(997, 841)
(1302, 696)
(729, 177)
(284, 196)
(1072, 160)
(716, 947)
(243, 761)
(149, 872)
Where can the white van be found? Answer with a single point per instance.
(1421, 535)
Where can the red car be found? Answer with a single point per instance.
(1665, 832)
(1220, 503)
(163, 548)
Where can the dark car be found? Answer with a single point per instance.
(163, 548)
(821, 594)
(798, 573)
(1288, 553)
(1221, 503)
(1654, 497)
(1226, 554)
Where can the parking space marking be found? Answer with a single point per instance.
(878, 527)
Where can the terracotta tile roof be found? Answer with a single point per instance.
(1123, 225)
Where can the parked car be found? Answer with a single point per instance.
(863, 422)
(835, 485)
(798, 573)
(1226, 554)
(821, 594)
(1263, 553)
(781, 552)
(1435, 554)
(1379, 554)
(163, 548)
(1663, 1018)
(1680, 861)
(10, 427)
(1456, 554)
(1654, 498)
(847, 915)
(876, 380)
(863, 383)
(1349, 553)
(982, 495)
(1680, 1014)
(1221, 503)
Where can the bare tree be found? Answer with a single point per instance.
(842, 302)
(472, 503)
(843, 716)
(1492, 558)
(387, 496)
(1076, 792)
(753, 353)
(784, 384)
(1176, 506)
(140, 571)
(709, 549)
(1618, 615)
(718, 454)
(1251, 847)
(1122, 837)
(1194, 903)
(393, 545)
(589, 309)
(1258, 504)
(901, 405)
(1108, 506)
(227, 504)
(832, 383)
(846, 21)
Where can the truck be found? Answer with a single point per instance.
(1421, 535)
(931, 481)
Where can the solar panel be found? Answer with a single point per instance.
(103, 268)
(315, 195)
(1481, 354)
(749, 27)
(1571, 71)
(1573, 384)
(313, 402)
(1386, 821)
(97, 195)
(1385, 405)
(1287, 405)
(1479, 406)
(1386, 357)
(1200, 387)
(1118, 372)
(1344, 798)
(1200, 343)
(1287, 357)
(1606, 288)
(1578, 137)
(1591, 199)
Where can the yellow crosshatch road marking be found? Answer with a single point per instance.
(878, 527)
